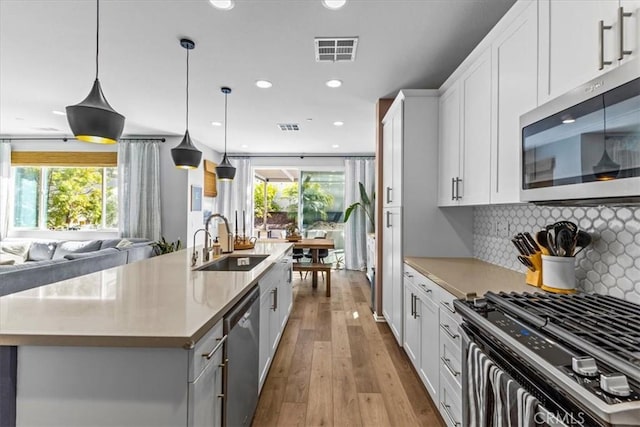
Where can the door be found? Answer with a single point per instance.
(396, 186)
(397, 288)
(514, 57)
(264, 350)
(207, 405)
(387, 264)
(569, 43)
(630, 29)
(429, 351)
(449, 146)
(411, 324)
(476, 133)
(387, 160)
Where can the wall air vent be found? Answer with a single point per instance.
(334, 49)
(289, 127)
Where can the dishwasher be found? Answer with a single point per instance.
(242, 327)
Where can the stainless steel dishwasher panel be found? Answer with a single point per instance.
(242, 325)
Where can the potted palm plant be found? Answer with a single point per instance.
(366, 203)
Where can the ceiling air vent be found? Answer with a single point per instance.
(288, 127)
(336, 49)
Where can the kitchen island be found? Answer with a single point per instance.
(121, 346)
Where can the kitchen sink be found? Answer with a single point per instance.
(234, 263)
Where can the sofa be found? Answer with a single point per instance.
(28, 264)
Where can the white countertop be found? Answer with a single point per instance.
(158, 302)
(468, 277)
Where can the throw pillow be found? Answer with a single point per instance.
(17, 251)
(76, 246)
(41, 251)
(124, 243)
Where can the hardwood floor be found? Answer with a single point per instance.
(335, 366)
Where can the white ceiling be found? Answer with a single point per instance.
(47, 62)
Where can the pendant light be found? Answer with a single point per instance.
(185, 155)
(224, 170)
(606, 169)
(94, 120)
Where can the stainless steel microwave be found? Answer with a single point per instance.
(584, 146)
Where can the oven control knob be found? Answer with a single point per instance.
(585, 366)
(615, 384)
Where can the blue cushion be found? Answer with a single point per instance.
(79, 255)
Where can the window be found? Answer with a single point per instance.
(65, 198)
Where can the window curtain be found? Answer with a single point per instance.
(237, 195)
(357, 170)
(139, 189)
(5, 178)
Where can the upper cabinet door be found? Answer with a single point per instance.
(630, 29)
(515, 65)
(449, 146)
(473, 184)
(392, 155)
(573, 46)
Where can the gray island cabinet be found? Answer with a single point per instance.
(136, 345)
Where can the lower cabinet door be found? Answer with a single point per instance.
(411, 326)
(264, 356)
(429, 351)
(450, 403)
(206, 397)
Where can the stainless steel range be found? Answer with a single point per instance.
(579, 355)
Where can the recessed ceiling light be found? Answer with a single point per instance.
(222, 4)
(59, 113)
(244, 146)
(334, 83)
(216, 124)
(263, 84)
(333, 4)
(309, 119)
(335, 146)
(19, 118)
(338, 123)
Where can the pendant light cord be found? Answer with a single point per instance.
(97, 34)
(187, 119)
(225, 124)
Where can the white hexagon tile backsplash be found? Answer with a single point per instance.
(610, 265)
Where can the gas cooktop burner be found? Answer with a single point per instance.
(581, 345)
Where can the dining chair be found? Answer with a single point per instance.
(322, 253)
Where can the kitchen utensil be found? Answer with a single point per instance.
(551, 245)
(541, 237)
(521, 248)
(566, 224)
(525, 244)
(583, 239)
(526, 262)
(564, 242)
(531, 241)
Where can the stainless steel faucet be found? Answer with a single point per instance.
(205, 253)
(206, 227)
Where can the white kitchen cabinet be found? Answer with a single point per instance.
(571, 51)
(411, 342)
(392, 271)
(392, 137)
(465, 139)
(514, 55)
(417, 227)
(449, 146)
(205, 392)
(276, 299)
(427, 309)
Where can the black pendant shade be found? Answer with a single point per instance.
(185, 155)
(225, 171)
(606, 169)
(94, 120)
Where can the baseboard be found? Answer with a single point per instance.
(378, 318)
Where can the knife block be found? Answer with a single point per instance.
(534, 278)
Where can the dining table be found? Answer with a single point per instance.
(314, 246)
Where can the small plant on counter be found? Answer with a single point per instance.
(163, 247)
